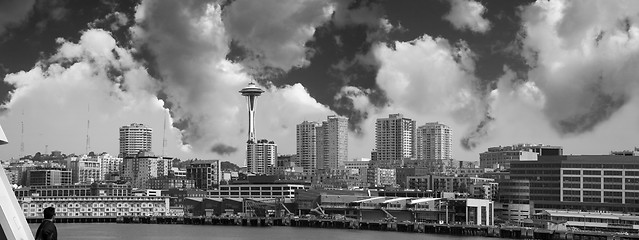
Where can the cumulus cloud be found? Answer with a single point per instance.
(467, 15)
(53, 98)
(276, 31)
(13, 12)
(583, 56)
(189, 42)
(427, 79)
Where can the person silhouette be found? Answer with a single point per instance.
(47, 230)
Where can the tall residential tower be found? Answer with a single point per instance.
(434, 142)
(394, 140)
(332, 142)
(307, 145)
(135, 138)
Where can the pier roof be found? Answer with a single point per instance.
(396, 199)
(368, 199)
(421, 200)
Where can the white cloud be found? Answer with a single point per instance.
(52, 99)
(425, 79)
(276, 31)
(467, 14)
(190, 43)
(13, 12)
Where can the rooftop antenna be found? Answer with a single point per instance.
(88, 144)
(163, 135)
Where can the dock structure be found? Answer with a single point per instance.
(393, 226)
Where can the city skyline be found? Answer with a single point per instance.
(498, 73)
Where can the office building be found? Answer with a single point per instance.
(437, 183)
(503, 156)
(164, 183)
(135, 138)
(394, 140)
(307, 145)
(48, 177)
(332, 143)
(581, 182)
(256, 190)
(513, 200)
(206, 174)
(140, 168)
(260, 156)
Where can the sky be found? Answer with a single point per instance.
(497, 72)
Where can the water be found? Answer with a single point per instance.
(171, 232)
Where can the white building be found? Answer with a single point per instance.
(286, 191)
(85, 169)
(109, 164)
(260, 155)
(381, 177)
(144, 166)
(394, 140)
(307, 146)
(332, 142)
(134, 138)
(96, 206)
(434, 143)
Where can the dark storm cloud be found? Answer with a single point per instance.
(223, 149)
(471, 140)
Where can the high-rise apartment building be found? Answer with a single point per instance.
(434, 142)
(332, 142)
(260, 155)
(307, 145)
(135, 138)
(394, 140)
(205, 173)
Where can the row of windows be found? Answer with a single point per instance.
(598, 172)
(260, 188)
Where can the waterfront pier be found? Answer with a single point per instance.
(410, 227)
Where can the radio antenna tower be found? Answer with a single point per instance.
(88, 126)
(164, 135)
(22, 135)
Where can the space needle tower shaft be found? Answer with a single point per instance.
(251, 92)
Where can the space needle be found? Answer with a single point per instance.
(251, 92)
